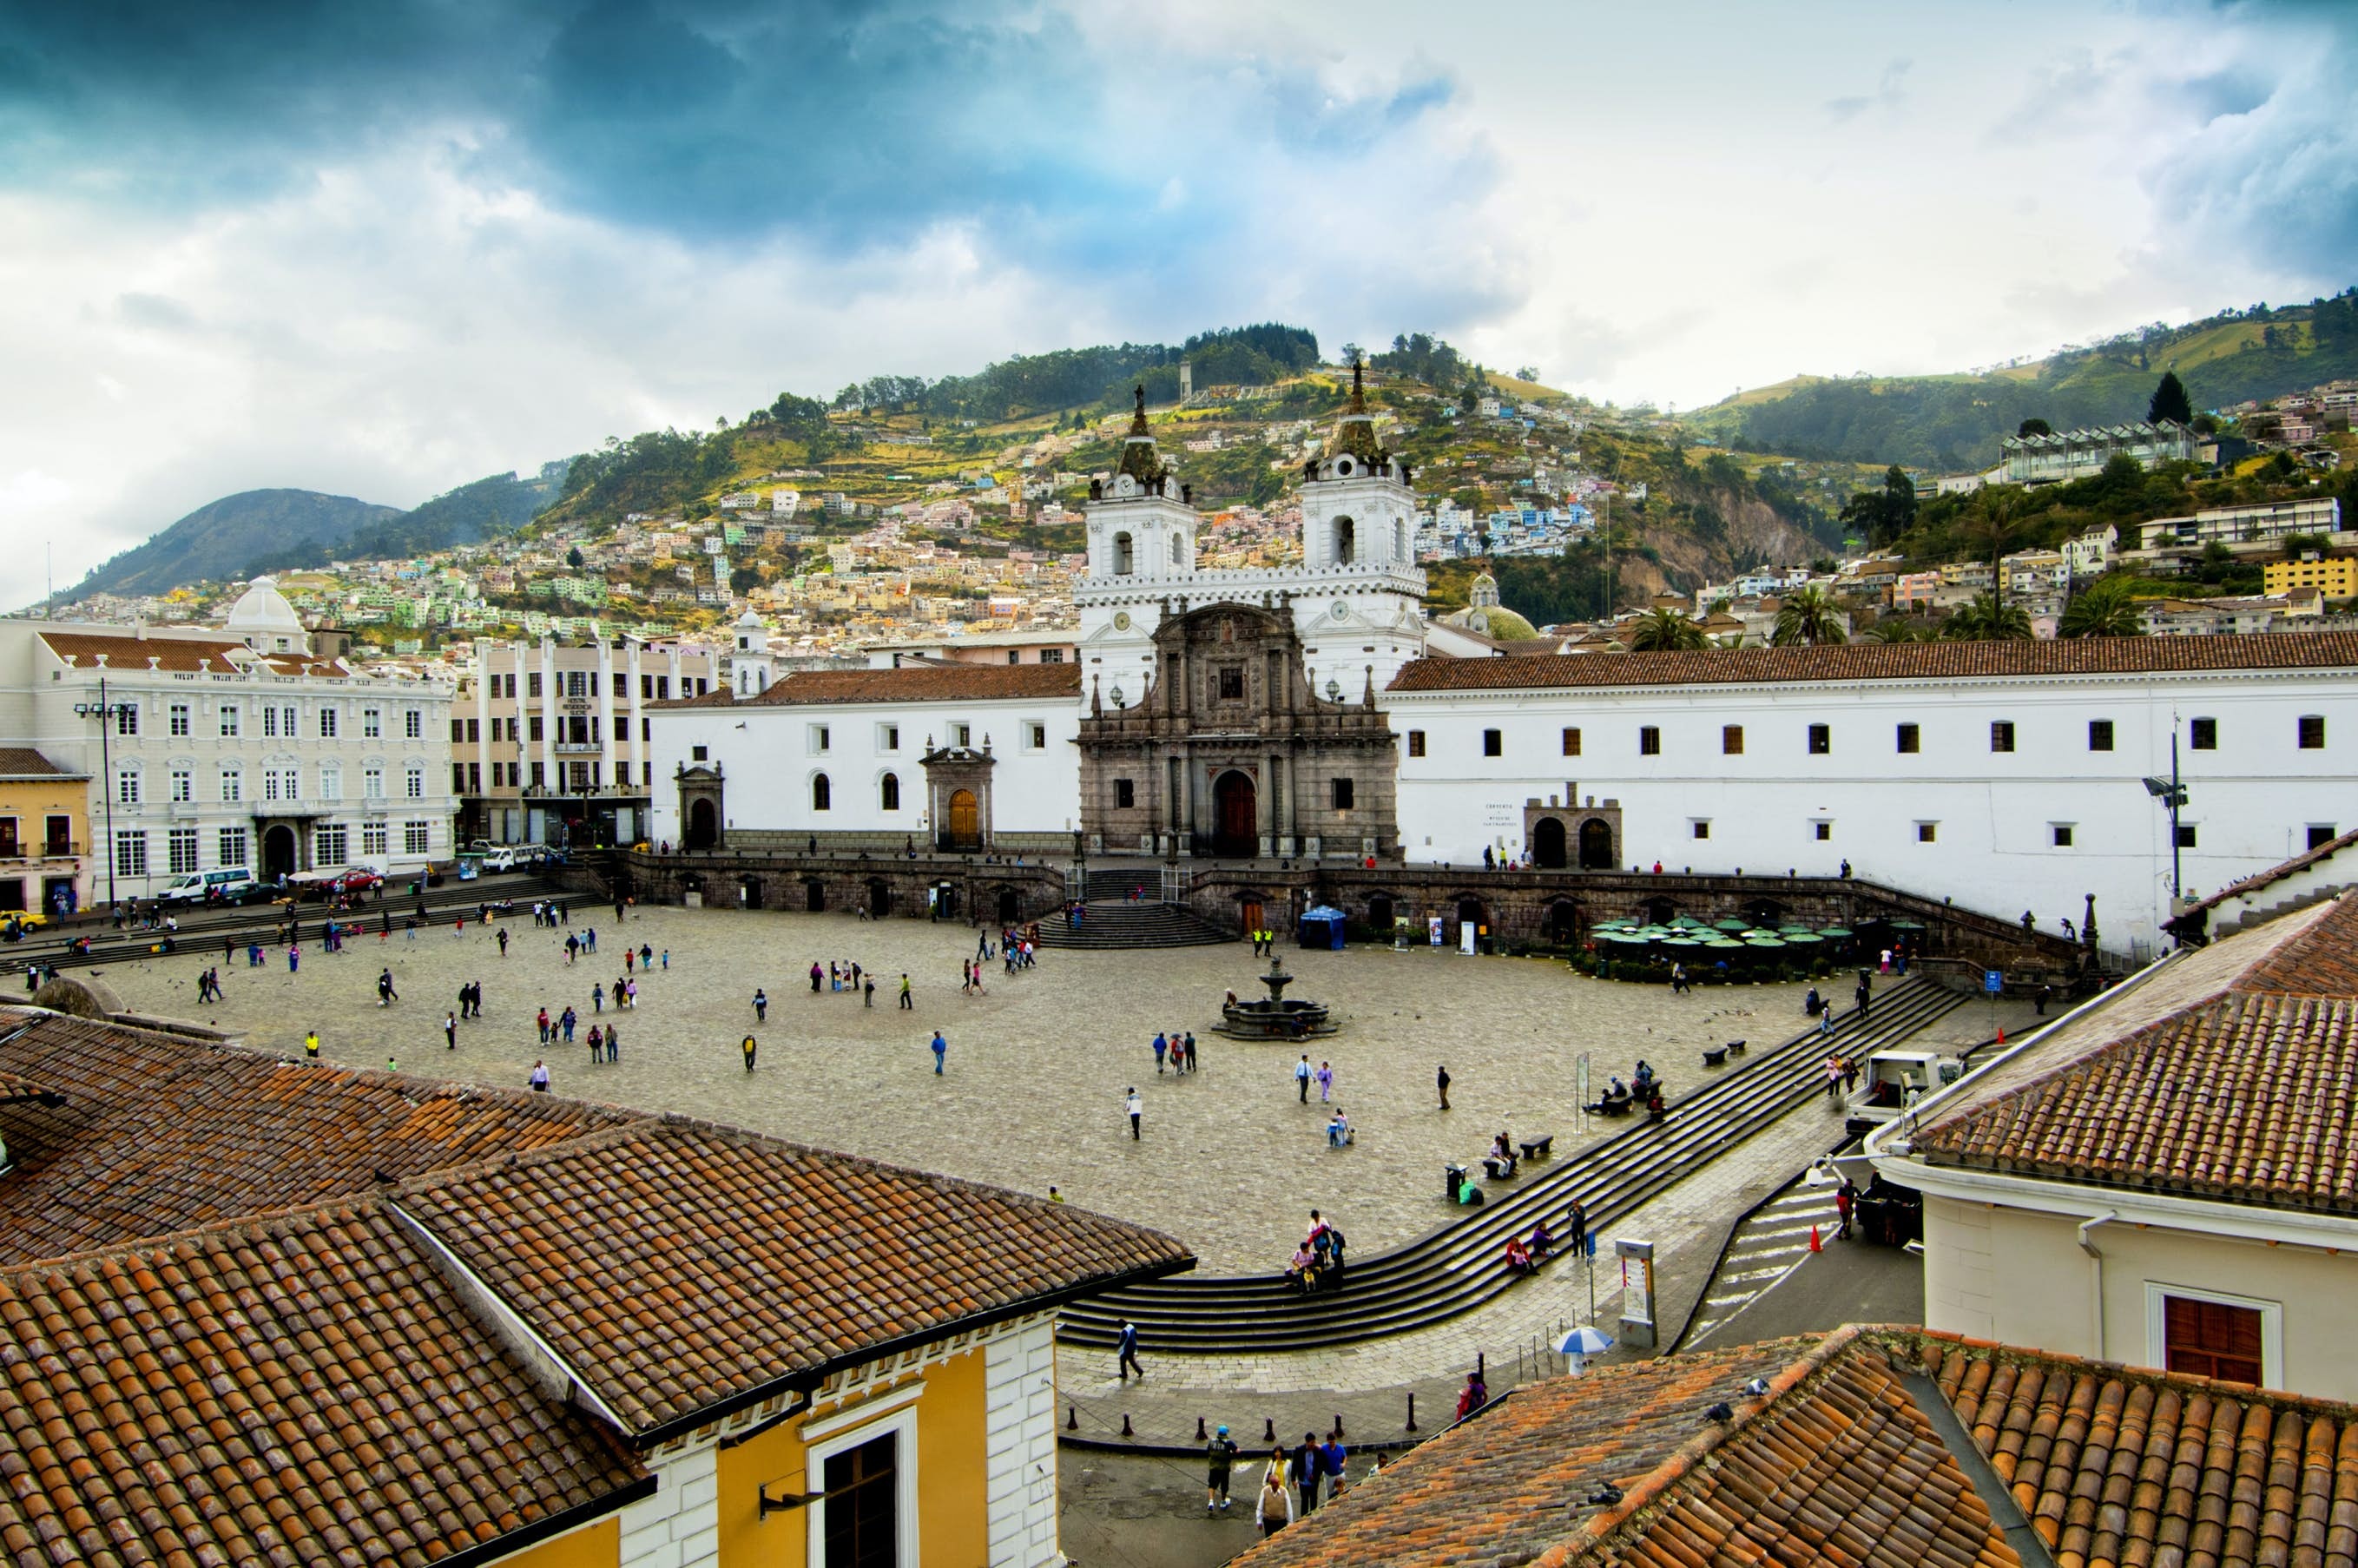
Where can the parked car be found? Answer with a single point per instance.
(346, 882)
(503, 859)
(232, 884)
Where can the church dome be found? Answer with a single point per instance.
(1485, 617)
(263, 610)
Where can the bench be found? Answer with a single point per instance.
(1537, 1148)
(1735, 1047)
(1716, 1058)
(1613, 1107)
(1500, 1170)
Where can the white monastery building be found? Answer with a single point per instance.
(2007, 777)
(229, 748)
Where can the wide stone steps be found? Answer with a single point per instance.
(1130, 925)
(1460, 1266)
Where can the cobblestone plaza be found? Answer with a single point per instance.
(1037, 1067)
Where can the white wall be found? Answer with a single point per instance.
(769, 755)
(2252, 800)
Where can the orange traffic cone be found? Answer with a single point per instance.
(1813, 1240)
(2001, 1034)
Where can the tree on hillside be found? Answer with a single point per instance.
(1896, 629)
(2170, 402)
(573, 558)
(1808, 616)
(2105, 611)
(1983, 619)
(1882, 514)
(1664, 630)
(2034, 425)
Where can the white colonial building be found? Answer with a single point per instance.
(240, 747)
(2006, 775)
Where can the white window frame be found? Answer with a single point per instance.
(1036, 734)
(229, 721)
(232, 785)
(962, 735)
(413, 782)
(417, 837)
(126, 785)
(332, 782)
(183, 786)
(869, 1425)
(181, 717)
(222, 842)
(176, 840)
(327, 721)
(374, 837)
(372, 781)
(821, 740)
(413, 724)
(372, 724)
(2157, 1326)
(888, 738)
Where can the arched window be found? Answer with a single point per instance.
(890, 792)
(1346, 541)
(822, 793)
(1121, 555)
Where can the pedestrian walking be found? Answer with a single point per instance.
(597, 1043)
(1575, 1225)
(1220, 1455)
(1309, 1464)
(503, 941)
(1443, 1079)
(539, 1079)
(1862, 995)
(598, 999)
(311, 1045)
(1302, 1076)
(1834, 1071)
(868, 997)
(1845, 1198)
(1161, 1045)
(1127, 1346)
(1333, 1457)
(450, 1030)
(613, 1043)
(750, 1047)
(906, 1005)
(1134, 1107)
(1191, 1051)
(544, 1026)
(1273, 1510)
(1325, 1083)
(941, 1052)
(761, 1005)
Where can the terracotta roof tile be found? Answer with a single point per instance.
(909, 683)
(1891, 661)
(2277, 874)
(678, 1265)
(177, 654)
(2243, 1092)
(159, 1133)
(2246, 1098)
(306, 1388)
(15, 1085)
(1838, 1464)
(24, 762)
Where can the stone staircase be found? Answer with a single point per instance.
(1114, 922)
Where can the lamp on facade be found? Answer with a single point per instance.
(106, 713)
(1333, 691)
(1116, 694)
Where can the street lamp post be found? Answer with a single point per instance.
(2172, 793)
(106, 713)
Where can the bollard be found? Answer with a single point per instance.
(1480, 1365)
(1200, 1436)
(1269, 1429)
(1125, 1425)
(1338, 1424)
(1412, 1410)
(1071, 1419)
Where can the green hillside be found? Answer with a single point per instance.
(226, 538)
(1955, 422)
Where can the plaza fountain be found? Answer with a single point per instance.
(1275, 1019)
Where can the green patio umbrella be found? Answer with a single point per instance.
(1729, 924)
(1802, 938)
(1835, 931)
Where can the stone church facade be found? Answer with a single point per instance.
(1229, 753)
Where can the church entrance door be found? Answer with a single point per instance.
(1235, 829)
(1547, 843)
(965, 830)
(1596, 845)
(702, 833)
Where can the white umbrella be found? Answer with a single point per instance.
(1582, 1341)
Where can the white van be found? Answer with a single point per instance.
(503, 859)
(232, 884)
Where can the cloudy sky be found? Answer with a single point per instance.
(383, 247)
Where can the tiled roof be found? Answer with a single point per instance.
(307, 1389)
(1889, 661)
(676, 1265)
(2322, 959)
(180, 654)
(1839, 1464)
(2233, 1079)
(161, 1133)
(2277, 874)
(909, 683)
(2247, 1098)
(24, 762)
(14, 1085)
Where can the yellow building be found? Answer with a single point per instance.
(2336, 577)
(454, 1325)
(44, 834)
